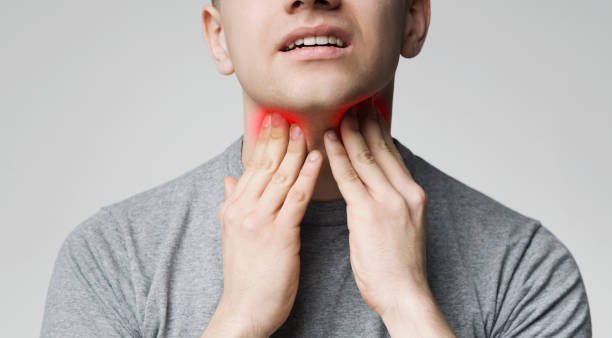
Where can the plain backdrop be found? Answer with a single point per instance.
(100, 100)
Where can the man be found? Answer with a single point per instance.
(315, 222)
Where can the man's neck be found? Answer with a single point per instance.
(313, 125)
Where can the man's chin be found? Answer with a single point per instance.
(313, 105)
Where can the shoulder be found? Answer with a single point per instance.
(527, 281)
(156, 209)
(484, 228)
(163, 200)
(140, 223)
(469, 208)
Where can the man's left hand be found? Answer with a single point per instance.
(386, 221)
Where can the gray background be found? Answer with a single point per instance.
(104, 99)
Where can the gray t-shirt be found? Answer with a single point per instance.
(150, 265)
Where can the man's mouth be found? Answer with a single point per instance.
(315, 41)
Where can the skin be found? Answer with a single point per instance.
(244, 36)
(262, 211)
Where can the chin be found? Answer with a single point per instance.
(319, 98)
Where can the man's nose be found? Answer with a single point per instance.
(295, 5)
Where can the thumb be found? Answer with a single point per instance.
(229, 183)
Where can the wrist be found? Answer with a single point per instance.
(416, 314)
(226, 322)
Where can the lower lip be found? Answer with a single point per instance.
(318, 53)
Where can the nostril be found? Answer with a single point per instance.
(297, 4)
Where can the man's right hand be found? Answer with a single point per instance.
(260, 226)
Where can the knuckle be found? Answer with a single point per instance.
(307, 172)
(350, 175)
(297, 196)
(295, 148)
(263, 163)
(277, 133)
(280, 178)
(418, 198)
(249, 222)
(365, 156)
(250, 166)
(381, 144)
(231, 216)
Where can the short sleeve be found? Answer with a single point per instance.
(545, 295)
(90, 293)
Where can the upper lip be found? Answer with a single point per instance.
(320, 30)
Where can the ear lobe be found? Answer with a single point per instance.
(215, 39)
(416, 25)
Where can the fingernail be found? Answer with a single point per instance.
(332, 135)
(266, 121)
(296, 131)
(313, 156)
(276, 119)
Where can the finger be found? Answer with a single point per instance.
(350, 185)
(361, 156)
(250, 167)
(385, 127)
(414, 194)
(394, 169)
(266, 165)
(294, 206)
(275, 193)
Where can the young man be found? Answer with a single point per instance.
(315, 221)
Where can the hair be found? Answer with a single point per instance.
(214, 2)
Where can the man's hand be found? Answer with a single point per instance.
(386, 222)
(260, 221)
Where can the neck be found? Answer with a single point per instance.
(313, 125)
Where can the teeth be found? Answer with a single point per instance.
(316, 40)
(309, 41)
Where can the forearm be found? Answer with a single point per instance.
(416, 316)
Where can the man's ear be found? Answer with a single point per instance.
(215, 39)
(416, 24)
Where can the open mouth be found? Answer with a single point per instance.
(315, 41)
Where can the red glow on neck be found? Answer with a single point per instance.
(291, 117)
(382, 108)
